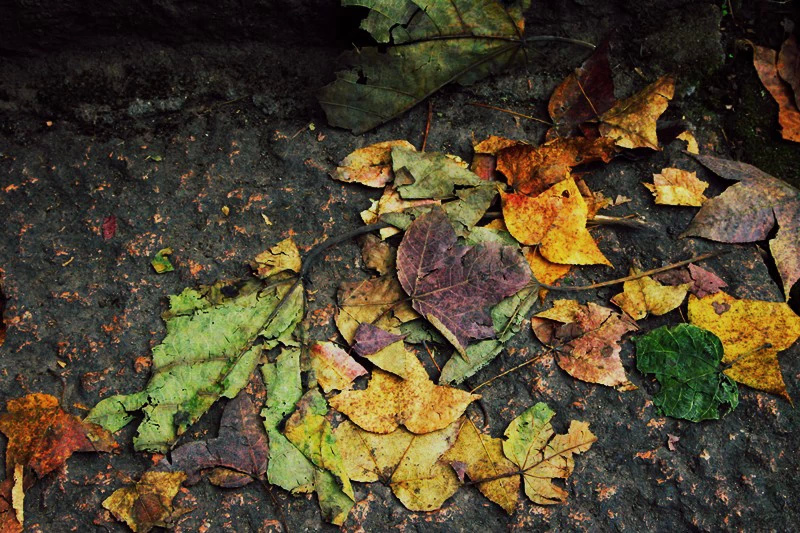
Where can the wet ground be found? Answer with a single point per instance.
(163, 131)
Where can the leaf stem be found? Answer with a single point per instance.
(510, 370)
(514, 113)
(556, 38)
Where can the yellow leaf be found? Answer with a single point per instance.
(678, 187)
(632, 122)
(371, 165)
(334, 368)
(691, 142)
(282, 257)
(148, 503)
(752, 333)
(646, 295)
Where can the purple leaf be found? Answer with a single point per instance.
(370, 339)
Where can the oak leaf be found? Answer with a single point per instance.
(646, 295)
(283, 257)
(632, 122)
(371, 165)
(674, 186)
(334, 368)
(765, 61)
(148, 503)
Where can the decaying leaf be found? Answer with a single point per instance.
(431, 44)
(586, 339)
(543, 456)
(385, 350)
(371, 165)
(632, 122)
(416, 402)
(752, 333)
(282, 257)
(674, 186)
(334, 368)
(483, 458)
(789, 66)
(686, 362)
(161, 263)
(378, 254)
(748, 212)
(765, 61)
(646, 295)
(148, 503)
(210, 351)
(455, 286)
(9, 522)
(378, 301)
(555, 220)
(406, 462)
(701, 282)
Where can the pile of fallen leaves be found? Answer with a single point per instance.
(465, 252)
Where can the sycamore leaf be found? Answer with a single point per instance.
(148, 503)
(766, 61)
(586, 339)
(416, 402)
(674, 186)
(385, 350)
(371, 165)
(209, 351)
(543, 456)
(748, 212)
(686, 362)
(789, 66)
(282, 257)
(42, 436)
(752, 333)
(431, 44)
(556, 220)
(646, 295)
(632, 122)
(334, 368)
(454, 286)
(483, 457)
(701, 282)
(378, 301)
(406, 462)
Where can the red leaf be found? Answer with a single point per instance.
(109, 227)
(370, 339)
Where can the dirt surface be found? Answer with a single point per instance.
(162, 133)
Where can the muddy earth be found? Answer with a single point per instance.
(163, 113)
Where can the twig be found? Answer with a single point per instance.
(427, 126)
(510, 370)
(535, 38)
(514, 113)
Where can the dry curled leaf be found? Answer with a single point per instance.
(371, 165)
(674, 186)
(646, 295)
(632, 122)
(148, 503)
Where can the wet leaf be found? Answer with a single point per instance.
(674, 186)
(686, 362)
(586, 340)
(555, 220)
(765, 61)
(160, 261)
(748, 212)
(416, 402)
(431, 44)
(789, 66)
(371, 165)
(283, 257)
(378, 301)
(632, 122)
(148, 503)
(454, 286)
(752, 333)
(406, 462)
(483, 457)
(211, 348)
(334, 368)
(543, 456)
(646, 295)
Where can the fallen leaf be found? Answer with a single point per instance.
(429, 175)
(283, 257)
(148, 503)
(543, 270)
(672, 441)
(371, 165)
(334, 368)
(383, 349)
(789, 66)
(691, 142)
(109, 227)
(748, 212)
(686, 362)
(555, 220)
(646, 295)
(752, 333)
(8, 514)
(765, 61)
(532, 170)
(701, 282)
(454, 286)
(406, 462)
(211, 348)
(430, 45)
(484, 161)
(416, 402)
(378, 254)
(160, 261)
(377, 301)
(632, 122)
(543, 456)
(390, 203)
(483, 458)
(674, 186)
(586, 339)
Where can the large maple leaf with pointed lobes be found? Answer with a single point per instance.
(455, 286)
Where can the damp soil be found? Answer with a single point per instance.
(162, 115)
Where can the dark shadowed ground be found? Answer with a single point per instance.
(161, 113)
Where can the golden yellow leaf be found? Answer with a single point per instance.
(632, 122)
(148, 503)
(678, 187)
(752, 333)
(543, 270)
(646, 295)
(371, 165)
(282, 257)
(691, 142)
(493, 144)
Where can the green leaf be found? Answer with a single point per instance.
(161, 262)
(429, 175)
(686, 362)
(432, 43)
(209, 351)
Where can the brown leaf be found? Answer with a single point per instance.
(701, 282)
(147, 503)
(379, 301)
(371, 165)
(789, 66)
(378, 254)
(632, 122)
(765, 61)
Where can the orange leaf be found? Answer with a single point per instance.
(765, 61)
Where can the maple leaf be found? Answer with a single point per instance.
(416, 402)
(674, 186)
(748, 212)
(789, 66)
(454, 286)
(483, 458)
(555, 220)
(587, 344)
(431, 44)
(282, 257)
(765, 61)
(541, 455)
(371, 165)
(646, 295)
(333, 367)
(686, 362)
(701, 281)
(752, 333)
(385, 350)
(632, 122)
(406, 462)
(210, 351)
(148, 503)
(379, 301)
